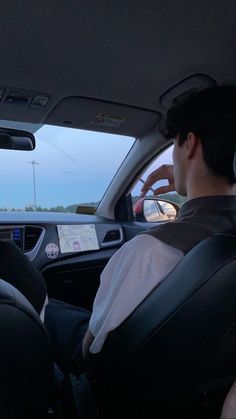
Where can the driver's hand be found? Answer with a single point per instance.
(163, 172)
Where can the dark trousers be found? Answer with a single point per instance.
(66, 326)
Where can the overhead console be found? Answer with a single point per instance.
(24, 105)
(11, 96)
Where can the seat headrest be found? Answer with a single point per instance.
(16, 269)
(12, 296)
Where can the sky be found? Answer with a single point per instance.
(72, 166)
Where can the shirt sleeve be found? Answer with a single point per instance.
(133, 271)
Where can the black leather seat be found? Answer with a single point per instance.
(26, 366)
(174, 357)
(16, 269)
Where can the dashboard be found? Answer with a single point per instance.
(46, 237)
(70, 250)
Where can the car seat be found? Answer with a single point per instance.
(26, 365)
(16, 269)
(174, 356)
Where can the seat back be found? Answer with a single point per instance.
(26, 366)
(16, 269)
(180, 341)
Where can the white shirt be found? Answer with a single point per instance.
(133, 271)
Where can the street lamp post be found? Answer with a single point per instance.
(33, 163)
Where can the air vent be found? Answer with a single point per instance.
(112, 236)
(32, 235)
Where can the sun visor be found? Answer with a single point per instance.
(180, 90)
(97, 115)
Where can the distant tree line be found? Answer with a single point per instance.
(58, 208)
(172, 196)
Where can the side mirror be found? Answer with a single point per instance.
(13, 139)
(154, 209)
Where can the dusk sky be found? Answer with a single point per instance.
(75, 166)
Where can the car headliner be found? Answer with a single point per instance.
(128, 52)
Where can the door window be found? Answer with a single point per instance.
(163, 158)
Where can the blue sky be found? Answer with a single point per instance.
(75, 166)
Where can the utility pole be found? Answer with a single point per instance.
(33, 163)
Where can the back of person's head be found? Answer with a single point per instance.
(211, 115)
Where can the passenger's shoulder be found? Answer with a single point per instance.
(178, 234)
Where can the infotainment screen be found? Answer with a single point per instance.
(77, 238)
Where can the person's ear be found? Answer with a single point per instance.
(191, 145)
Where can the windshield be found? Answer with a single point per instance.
(68, 167)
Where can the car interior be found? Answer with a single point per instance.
(113, 69)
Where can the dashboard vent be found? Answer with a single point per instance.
(32, 235)
(111, 236)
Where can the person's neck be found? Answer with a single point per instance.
(209, 186)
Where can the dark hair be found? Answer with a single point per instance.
(211, 115)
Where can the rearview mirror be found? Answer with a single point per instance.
(154, 209)
(13, 139)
